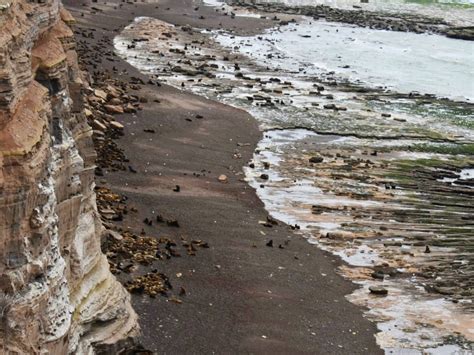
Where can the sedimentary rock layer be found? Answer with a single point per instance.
(56, 291)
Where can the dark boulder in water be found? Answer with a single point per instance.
(316, 159)
(378, 290)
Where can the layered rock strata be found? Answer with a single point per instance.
(57, 294)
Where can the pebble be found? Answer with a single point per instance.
(223, 178)
(378, 290)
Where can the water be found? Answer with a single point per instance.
(396, 170)
(347, 3)
(407, 315)
(456, 12)
(401, 61)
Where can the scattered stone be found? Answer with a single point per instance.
(223, 178)
(113, 109)
(316, 159)
(148, 221)
(378, 275)
(100, 94)
(96, 124)
(116, 125)
(152, 284)
(172, 223)
(378, 290)
(88, 113)
(175, 300)
(272, 221)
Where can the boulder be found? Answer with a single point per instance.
(114, 109)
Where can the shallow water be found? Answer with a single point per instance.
(408, 315)
(456, 12)
(400, 61)
(421, 142)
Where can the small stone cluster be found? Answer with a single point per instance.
(152, 284)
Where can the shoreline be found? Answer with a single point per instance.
(177, 67)
(268, 299)
(374, 19)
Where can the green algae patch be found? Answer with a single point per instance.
(450, 149)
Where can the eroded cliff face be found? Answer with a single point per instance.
(57, 294)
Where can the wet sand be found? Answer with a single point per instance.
(242, 295)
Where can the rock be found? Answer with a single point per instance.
(340, 235)
(264, 176)
(223, 178)
(112, 92)
(378, 290)
(100, 94)
(114, 109)
(316, 160)
(172, 223)
(272, 220)
(88, 113)
(399, 119)
(444, 290)
(36, 219)
(378, 275)
(113, 235)
(129, 108)
(465, 33)
(116, 125)
(66, 300)
(152, 284)
(96, 124)
(115, 101)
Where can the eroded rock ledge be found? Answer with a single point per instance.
(57, 294)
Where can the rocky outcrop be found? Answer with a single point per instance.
(380, 20)
(57, 294)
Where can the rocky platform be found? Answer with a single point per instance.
(404, 22)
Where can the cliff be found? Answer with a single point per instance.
(57, 294)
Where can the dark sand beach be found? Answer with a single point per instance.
(242, 296)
